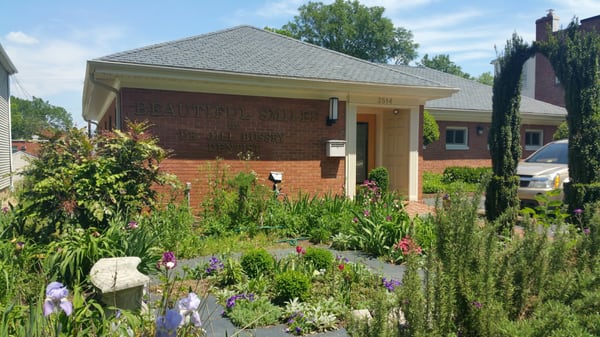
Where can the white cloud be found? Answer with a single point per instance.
(53, 67)
(283, 8)
(21, 38)
(567, 9)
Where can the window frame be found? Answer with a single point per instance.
(533, 147)
(457, 146)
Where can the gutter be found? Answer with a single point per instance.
(117, 104)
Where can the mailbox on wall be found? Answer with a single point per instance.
(335, 148)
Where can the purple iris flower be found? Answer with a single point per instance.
(188, 309)
(391, 284)
(166, 326)
(56, 299)
(169, 260)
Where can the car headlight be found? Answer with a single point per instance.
(545, 182)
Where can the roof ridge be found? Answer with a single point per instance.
(171, 42)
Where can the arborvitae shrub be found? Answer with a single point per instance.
(291, 284)
(257, 262)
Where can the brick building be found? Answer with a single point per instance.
(322, 118)
(540, 81)
(464, 120)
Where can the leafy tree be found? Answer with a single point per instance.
(30, 118)
(279, 31)
(486, 78)
(442, 63)
(562, 131)
(431, 130)
(574, 54)
(82, 182)
(504, 137)
(354, 29)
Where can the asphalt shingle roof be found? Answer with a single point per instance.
(472, 95)
(253, 51)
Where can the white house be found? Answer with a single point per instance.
(6, 69)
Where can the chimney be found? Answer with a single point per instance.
(542, 25)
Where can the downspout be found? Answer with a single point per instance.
(117, 103)
(11, 164)
(90, 122)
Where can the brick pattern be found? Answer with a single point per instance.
(287, 135)
(436, 157)
(547, 87)
(30, 147)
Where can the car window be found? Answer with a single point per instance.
(553, 153)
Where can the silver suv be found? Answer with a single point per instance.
(545, 170)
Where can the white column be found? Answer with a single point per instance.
(413, 155)
(350, 185)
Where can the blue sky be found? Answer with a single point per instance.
(49, 42)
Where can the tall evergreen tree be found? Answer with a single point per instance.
(575, 56)
(504, 137)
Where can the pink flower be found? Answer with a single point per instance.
(132, 225)
(408, 246)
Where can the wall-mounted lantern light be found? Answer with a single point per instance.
(396, 111)
(333, 111)
(479, 130)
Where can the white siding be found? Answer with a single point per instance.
(5, 144)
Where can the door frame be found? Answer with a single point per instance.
(371, 120)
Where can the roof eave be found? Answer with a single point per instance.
(102, 74)
(6, 62)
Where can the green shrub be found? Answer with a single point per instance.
(471, 175)
(174, 224)
(257, 262)
(289, 285)
(83, 182)
(432, 183)
(319, 235)
(252, 314)
(381, 176)
(320, 258)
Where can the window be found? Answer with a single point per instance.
(456, 139)
(534, 139)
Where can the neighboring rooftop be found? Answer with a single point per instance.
(473, 96)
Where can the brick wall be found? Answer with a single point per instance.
(27, 146)
(547, 87)
(287, 135)
(436, 157)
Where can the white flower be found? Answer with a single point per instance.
(188, 309)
